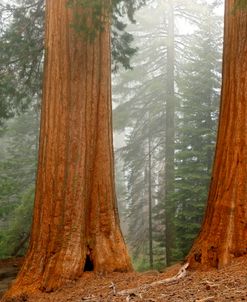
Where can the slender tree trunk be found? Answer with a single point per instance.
(224, 231)
(170, 136)
(150, 206)
(75, 225)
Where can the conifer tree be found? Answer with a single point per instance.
(199, 88)
(18, 152)
(147, 97)
(142, 117)
(22, 48)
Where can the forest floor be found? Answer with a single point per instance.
(226, 284)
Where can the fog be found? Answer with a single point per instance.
(179, 49)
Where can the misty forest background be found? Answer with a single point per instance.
(165, 117)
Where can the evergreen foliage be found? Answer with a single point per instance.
(142, 115)
(14, 238)
(22, 47)
(18, 149)
(199, 89)
(141, 95)
(21, 55)
(240, 4)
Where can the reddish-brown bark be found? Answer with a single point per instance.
(75, 214)
(224, 231)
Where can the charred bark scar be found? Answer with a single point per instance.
(198, 257)
(89, 267)
(88, 264)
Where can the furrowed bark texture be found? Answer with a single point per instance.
(75, 214)
(224, 231)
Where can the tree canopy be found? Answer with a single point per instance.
(22, 46)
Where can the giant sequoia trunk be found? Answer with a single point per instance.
(224, 231)
(75, 224)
